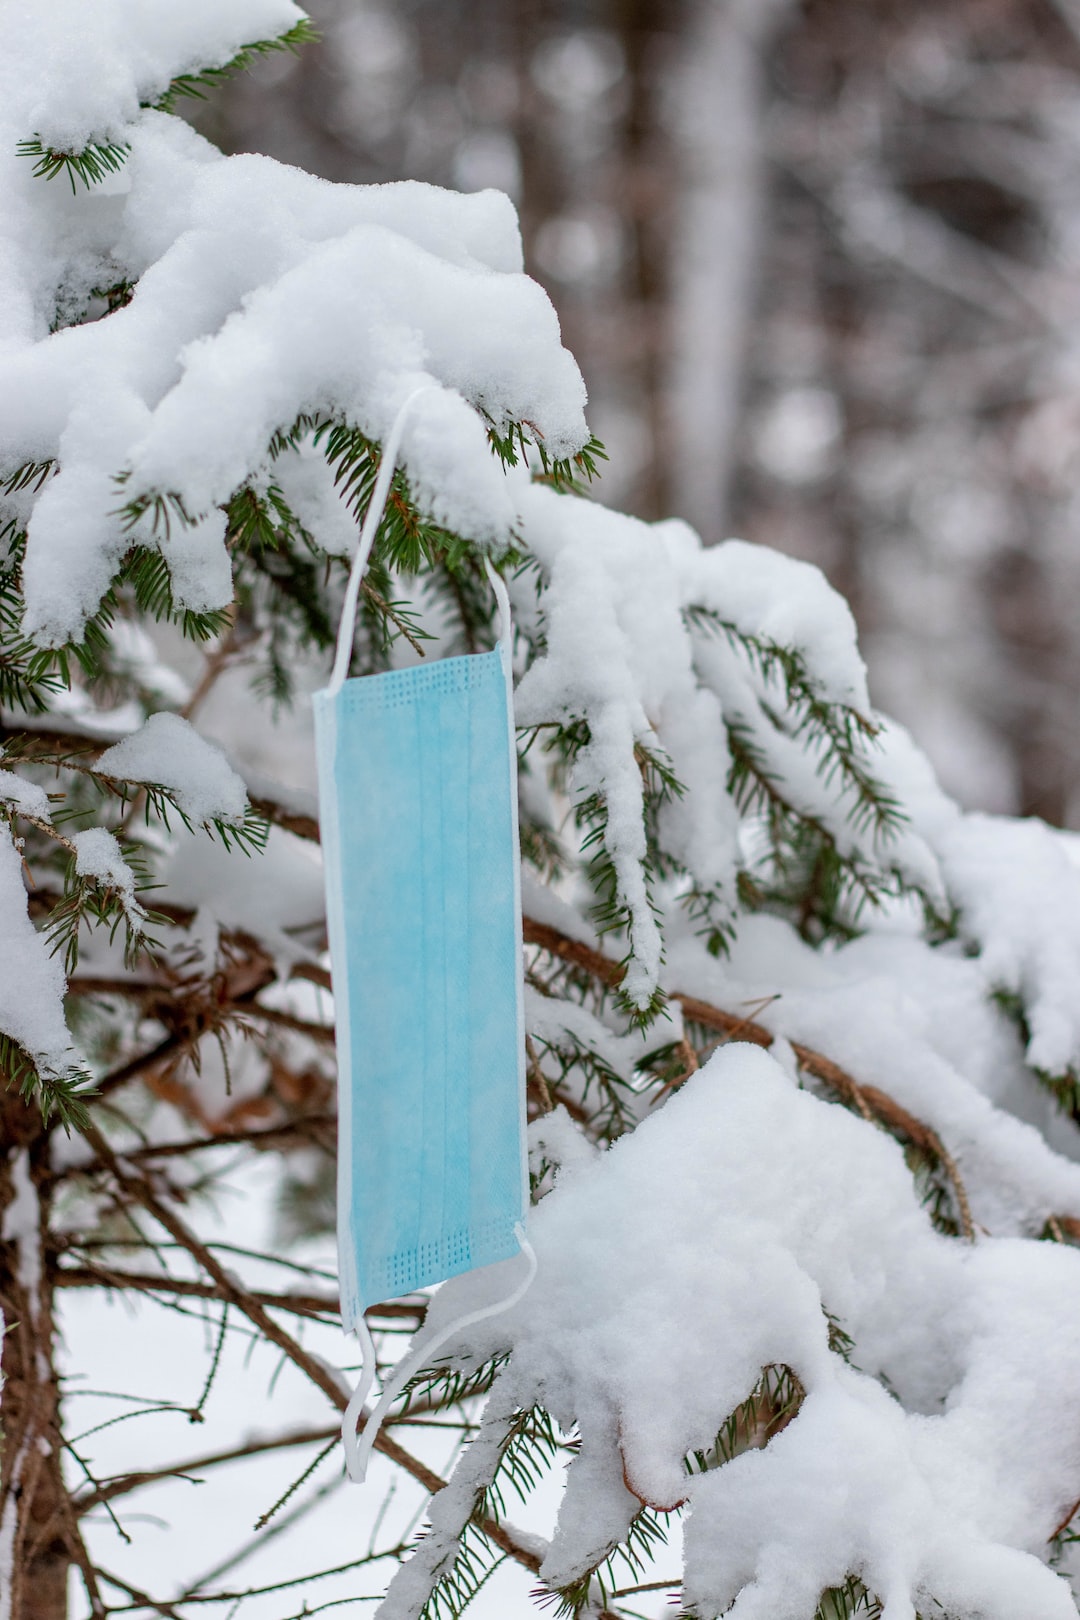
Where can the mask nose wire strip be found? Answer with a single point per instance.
(372, 519)
(358, 1448)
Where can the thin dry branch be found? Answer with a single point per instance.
(300, 1124)
(123, 1484)
(323, 1377)
(190, 1287)
(141, 1599)
(287, 1020)
(167, 1048)
(80, 1554)
(215, 663)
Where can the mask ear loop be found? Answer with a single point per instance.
(372, 518)
(358, 1448)
(355, 1408)
(506, 633)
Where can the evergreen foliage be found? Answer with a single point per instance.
(196, 86)
(89, 166)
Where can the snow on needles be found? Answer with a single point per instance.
(263, 293)
(92, 70)
(948, 1488)
(169, 753)
(636, 620)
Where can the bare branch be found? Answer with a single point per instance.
(263, 1135)
(100, 1277)
(322, 1376)
(110, 1489)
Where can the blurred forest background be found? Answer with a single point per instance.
(819, 261)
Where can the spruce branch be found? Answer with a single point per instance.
(29, 473)
(612, 911)
(813, 875)
(196, 86)
(596, 1589)
(806, 871)
(522, 443)
(849, 1601)
(869, 1101)
(61, 1095)
(90, 899)
(466, 1540)
(771, 1405)
(90, 164)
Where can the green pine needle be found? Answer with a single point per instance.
(849, 1601)
(90, 165)
(195, 86)
(62, 1094)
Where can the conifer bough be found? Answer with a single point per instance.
(822, 1300)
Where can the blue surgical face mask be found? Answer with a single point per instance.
(418, 809)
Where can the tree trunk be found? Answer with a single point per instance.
(35, 1515)
(715, 259)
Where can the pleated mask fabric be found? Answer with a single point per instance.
(420, 844)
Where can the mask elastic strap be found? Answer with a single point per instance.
(360, 1394)
(506, 636)
(358, 1448)
(372, 519)
(370, 528)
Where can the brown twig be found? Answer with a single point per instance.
(214, 666)
(88, 984)
(140, 1598)
(80, 1554)
(537, 1076)
(316, 1370)
(1066, 1521)
(256, 1137)
(384, 606)
(147, 1283)
(294, 821)
(122, 1484)
(573, 951)
(690, 1061)
(287, 1020)
(134, 1067)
